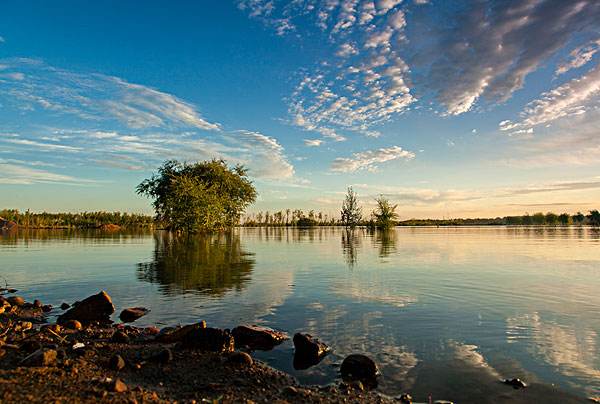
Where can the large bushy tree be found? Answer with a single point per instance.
(351, 213)
(200, 196)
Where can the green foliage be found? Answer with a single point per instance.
(83, 220)
(306, 222)
(384, 213)
(551, 218)
(594, 217)
(351, 213)
(199, 197)
(563, 218)
(578, 218)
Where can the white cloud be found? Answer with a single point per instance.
(265, 156)
(369, 160)
(313, 142)
(346, 49)
(579, 57)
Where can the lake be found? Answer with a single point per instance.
(446, 311)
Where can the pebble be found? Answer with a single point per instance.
(116, 362)
(119, 386)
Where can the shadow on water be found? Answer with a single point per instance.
(207, 263)
(351, 242)
(385, 240)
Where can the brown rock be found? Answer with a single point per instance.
(171, 335)
(359, 367)
(256, 337)
(72, 325)
(94, 308)
(41, 357)
(47, 308)
(37, 304)
(16, 300)
(308, 351)
(209, 339)
(116, 362)
(133, 313)
(65, 306)
(240, 358)
(120, 337)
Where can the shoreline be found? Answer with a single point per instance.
(94, 360)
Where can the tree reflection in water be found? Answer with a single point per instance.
(385, 240)
(351, 240)
(208, 263)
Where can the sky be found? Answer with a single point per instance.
(449, 109)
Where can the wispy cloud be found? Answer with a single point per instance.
(571, 98)
(370, 160)
(15, 174)
(313, 142)
(122, 125)
(579, 56)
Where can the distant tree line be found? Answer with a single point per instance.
(83, 220)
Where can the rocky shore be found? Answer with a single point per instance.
(83, 357)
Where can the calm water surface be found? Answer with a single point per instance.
(445, 311)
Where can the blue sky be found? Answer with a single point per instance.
(448, 108)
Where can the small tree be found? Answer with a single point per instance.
(578, 218)
(198, 197)
(594, 217)
(384, 213)
(351, 213)
(551, 218)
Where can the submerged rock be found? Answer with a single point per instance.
(209, 339)
(256, 337)
(94, 308)
(360, 367)
(308, 351)
(515, 383)
(133, 313)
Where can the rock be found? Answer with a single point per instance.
(151, 331)
(53, 327)
(37, 304)
(209, 339)
(118, 386)
(41, 357)
(359, 367)
(16, 300)
(94, 308)
(405, 398)
(256, 337)
(165, 355)
(170, 335)
(240, 358)
(308, 351)
(515, 383)
(133, 313)
(47, 308)
(65, 306)
(116, 362)
(290, 391)
(120, 337)
(72, 325)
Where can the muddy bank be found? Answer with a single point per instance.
(86, 358)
